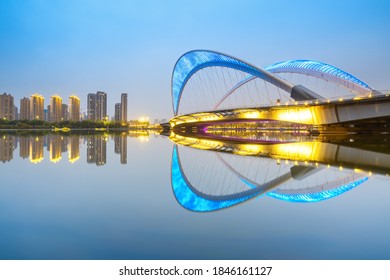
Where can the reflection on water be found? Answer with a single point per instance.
(212, 171)
(109, 196)
(31, 146)
(226, 169)
(97, 150)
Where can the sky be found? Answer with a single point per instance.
(82, 46)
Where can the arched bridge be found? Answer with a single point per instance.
(305, 106)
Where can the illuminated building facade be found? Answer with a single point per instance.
(36, 107)
(55, 108)
(74, 108)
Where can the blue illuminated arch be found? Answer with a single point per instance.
(321, 70)
(194, 200)
(319, 196)
(298, 197)
(193, 61)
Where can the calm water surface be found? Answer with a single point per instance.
(143, 196)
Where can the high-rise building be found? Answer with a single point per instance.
(101, 106)
(117, 115)
(74, 108)
(37, 102)
(16, 113)
(97, 106)
(64, 112)
(24, 108)
(6, 106)
(123, 107)
(91, 106)
(55, 108)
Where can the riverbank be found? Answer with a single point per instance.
(85, 124)
(80, 131)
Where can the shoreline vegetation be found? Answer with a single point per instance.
(65, 126)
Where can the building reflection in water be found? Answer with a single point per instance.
(73, 148)
(55, 147)
(121, 147)
(97, 149)
(217, 173)
(33, 145)
(7, 146)
(36, 149)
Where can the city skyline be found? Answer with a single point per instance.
(34, 108)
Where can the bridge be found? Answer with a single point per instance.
(230, 91)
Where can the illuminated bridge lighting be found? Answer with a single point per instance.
(193, 61)
(320, 70)
(319, 196)
(193, 200)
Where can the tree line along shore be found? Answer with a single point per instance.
(85, 124)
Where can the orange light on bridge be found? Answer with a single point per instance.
(301, 115)
(252, 115)
(303, 151)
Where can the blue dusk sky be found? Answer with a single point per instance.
(77, 47)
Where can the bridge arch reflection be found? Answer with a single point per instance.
(314, 171)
